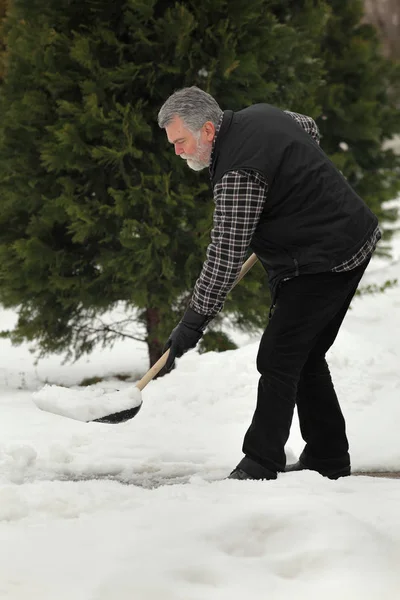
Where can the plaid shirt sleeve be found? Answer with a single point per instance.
(239, 200)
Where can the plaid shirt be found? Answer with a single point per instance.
(364, 252)
(239, 199)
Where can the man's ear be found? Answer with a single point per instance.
(209, 129)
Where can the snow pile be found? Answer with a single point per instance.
(87, 404)
(142, 510)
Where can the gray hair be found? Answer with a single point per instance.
(193, 106)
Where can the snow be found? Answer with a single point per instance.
(393, 144)
(141, 510)
(93, 402)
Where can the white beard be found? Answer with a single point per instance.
(200, 160)
(195, 165)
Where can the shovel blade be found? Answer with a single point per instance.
(119, 417)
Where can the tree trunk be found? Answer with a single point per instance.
(3, 10)
(154, 344)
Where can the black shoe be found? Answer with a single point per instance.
(249, 469)
(239, 474)
(330, 473)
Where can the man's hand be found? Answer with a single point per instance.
(185, 335)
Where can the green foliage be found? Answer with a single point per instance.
(218, 341)
(95, 208)
(374, 288)
(359, 111)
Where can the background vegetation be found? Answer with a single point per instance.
(96, 211)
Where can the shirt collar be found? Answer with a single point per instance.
(218, 127)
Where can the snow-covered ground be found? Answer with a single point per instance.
(105, 512)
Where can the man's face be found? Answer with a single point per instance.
(194, 148)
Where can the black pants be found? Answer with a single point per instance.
(291, 360)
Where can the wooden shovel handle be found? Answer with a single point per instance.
(156, 368)
(246, 266)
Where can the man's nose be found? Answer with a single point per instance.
(178, 150)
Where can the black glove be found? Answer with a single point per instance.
(185, 335)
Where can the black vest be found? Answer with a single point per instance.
(312, 220)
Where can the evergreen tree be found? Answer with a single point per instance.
(96, 209)
(359, 106)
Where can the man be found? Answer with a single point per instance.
(276, 193)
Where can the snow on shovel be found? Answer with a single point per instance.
(99, 405)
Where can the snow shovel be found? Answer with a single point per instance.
(102, 407)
